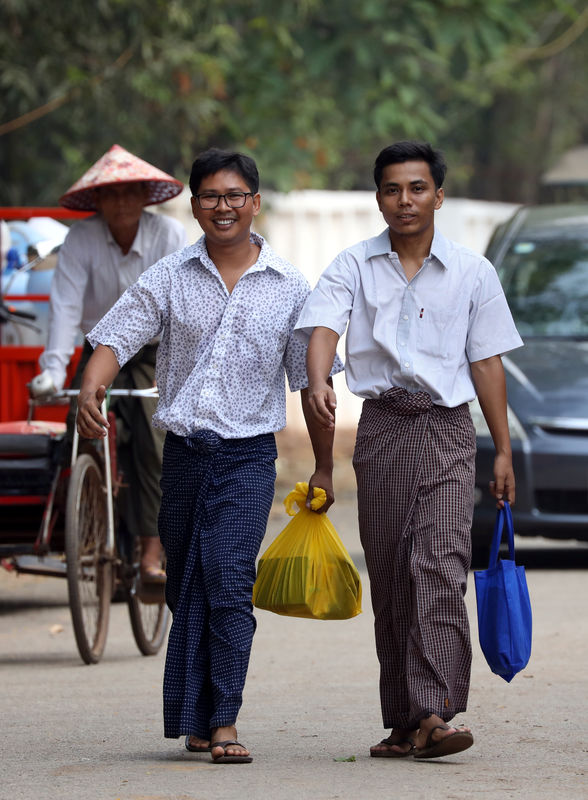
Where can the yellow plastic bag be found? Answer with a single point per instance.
(306, 571)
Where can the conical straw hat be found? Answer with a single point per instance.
(120, 166)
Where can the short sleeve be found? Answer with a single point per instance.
(491, 329)
(329, 304)
(137, 317)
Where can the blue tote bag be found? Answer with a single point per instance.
(504, 608)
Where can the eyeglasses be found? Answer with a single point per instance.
(232, 199)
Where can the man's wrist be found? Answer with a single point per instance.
(505, 452)
(324, 466)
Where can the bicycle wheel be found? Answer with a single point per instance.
(89, 569)
(148, 611)
(149, 623)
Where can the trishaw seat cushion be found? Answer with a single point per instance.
(22, 445)
(28, 439)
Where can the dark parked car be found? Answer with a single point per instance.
(541, 255)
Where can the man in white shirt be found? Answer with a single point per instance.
(225, 309)
(426, 323)
(100, 258)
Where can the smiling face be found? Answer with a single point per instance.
(408, 199)
(224, 225)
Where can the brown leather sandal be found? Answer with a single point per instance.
(452, 743)
(394, 753)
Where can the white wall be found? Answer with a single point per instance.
(309, 228)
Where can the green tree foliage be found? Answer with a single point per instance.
(312, 89)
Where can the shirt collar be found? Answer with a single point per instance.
(138, 245)
(440, 249)
(267, 259)
(380, 246)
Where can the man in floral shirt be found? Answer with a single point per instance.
(225, 309)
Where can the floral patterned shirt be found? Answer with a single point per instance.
(222, 357)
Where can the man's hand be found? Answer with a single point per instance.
(90, 422)
(322, 401)
(321, 479)
(503, 485)
(101, 370)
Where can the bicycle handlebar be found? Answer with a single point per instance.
(152, 392)
(53, 397)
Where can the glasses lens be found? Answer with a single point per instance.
(236, 199)
(208, 200)
(233, 200)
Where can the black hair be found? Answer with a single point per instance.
(215, 160)
(400, 152)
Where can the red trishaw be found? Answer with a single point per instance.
(61, 520)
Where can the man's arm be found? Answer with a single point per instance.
(319, 361)
(490, 383)
(101, 370)
(322, 447)
(318, 404)
(66, 304)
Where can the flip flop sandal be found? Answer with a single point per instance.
(225, 759)
(447, 746)
(394, 753)
(200, 748)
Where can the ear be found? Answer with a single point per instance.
(439, 196)
(379, 200)
(256, 200)
(195, 207)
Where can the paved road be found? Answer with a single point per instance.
(72, 731)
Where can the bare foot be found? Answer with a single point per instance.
(398, 744)
(228, 733)
(197, 744)
(151, 552)
(443, 730)
(437, 739)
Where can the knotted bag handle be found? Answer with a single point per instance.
(502, 515)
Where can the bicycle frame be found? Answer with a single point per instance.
(110, 534)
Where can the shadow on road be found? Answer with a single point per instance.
(14, 604)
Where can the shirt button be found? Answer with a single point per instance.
(407, 363)
(402, 344)
(405, 316)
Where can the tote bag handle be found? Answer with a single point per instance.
(503, 515)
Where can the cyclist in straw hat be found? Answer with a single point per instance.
(100, 257)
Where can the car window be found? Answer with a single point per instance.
(546, 284)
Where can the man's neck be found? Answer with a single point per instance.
(412, 250)
(233, 260)
(124, 236)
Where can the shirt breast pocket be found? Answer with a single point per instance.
(262, 336)
(441, 332)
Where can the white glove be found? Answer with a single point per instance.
(42, 385)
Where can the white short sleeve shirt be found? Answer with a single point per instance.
(420, 334)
